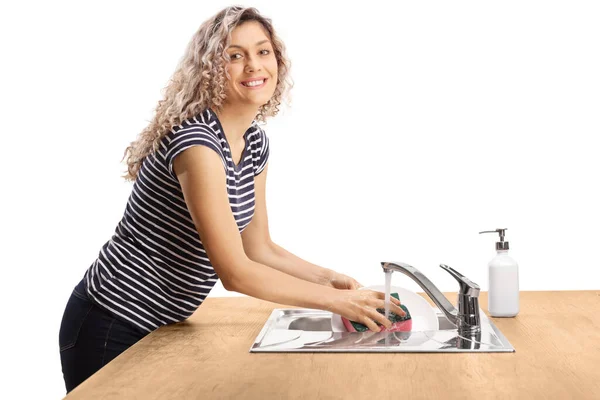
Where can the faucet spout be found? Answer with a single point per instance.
(466, 317)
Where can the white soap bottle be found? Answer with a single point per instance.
(503, 281)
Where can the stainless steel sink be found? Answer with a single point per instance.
(465, 328)
(309, 330)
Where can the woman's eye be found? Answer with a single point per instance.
(233, 56)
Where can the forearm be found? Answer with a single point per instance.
(282, 260)
(263, 282)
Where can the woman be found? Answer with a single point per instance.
(197, 209)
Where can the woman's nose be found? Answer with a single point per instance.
(253, 63)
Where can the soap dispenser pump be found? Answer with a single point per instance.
(503, 281)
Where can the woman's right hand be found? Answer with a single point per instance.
(361, 306)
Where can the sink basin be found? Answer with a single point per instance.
(309, 330)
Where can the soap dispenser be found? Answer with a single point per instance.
(503, 281)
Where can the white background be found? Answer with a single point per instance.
(413, 126)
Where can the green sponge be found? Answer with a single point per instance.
(393, 316)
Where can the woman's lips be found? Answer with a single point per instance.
(255, 87)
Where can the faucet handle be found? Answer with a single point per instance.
(467, 286)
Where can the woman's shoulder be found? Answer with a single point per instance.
(197, 127)
(201, 121)
(256, 133)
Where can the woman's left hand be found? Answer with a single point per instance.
(343, 282)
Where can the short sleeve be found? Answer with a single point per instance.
(187, 137)
(263, 153)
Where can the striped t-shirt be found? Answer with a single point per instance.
(154, 270)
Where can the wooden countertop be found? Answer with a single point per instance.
(556, 337)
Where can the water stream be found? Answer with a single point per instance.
(388, 284)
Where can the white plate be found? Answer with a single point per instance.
(423, 315)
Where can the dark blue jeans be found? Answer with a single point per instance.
(90, 338)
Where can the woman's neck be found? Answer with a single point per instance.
(236, 121)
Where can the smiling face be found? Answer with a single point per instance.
(253, 66)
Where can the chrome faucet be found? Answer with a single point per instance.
(466, 318)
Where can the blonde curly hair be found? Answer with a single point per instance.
(200, 80)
